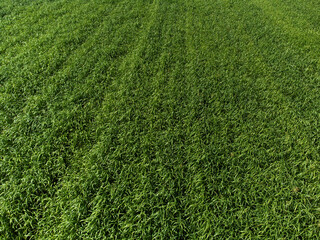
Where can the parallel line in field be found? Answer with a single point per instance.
(45, 82)
(86, 156)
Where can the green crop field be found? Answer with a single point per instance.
(159, 119)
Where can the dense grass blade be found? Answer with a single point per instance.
(159, 119)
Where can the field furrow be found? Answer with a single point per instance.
(159, 119)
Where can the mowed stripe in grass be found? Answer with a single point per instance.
(159, 120)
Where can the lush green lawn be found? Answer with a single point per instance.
(159, 119)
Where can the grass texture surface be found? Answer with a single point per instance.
(163, 119)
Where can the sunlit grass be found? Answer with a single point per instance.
(159, 119)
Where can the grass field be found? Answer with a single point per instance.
(159, 119)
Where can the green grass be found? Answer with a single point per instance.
(159, 119)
